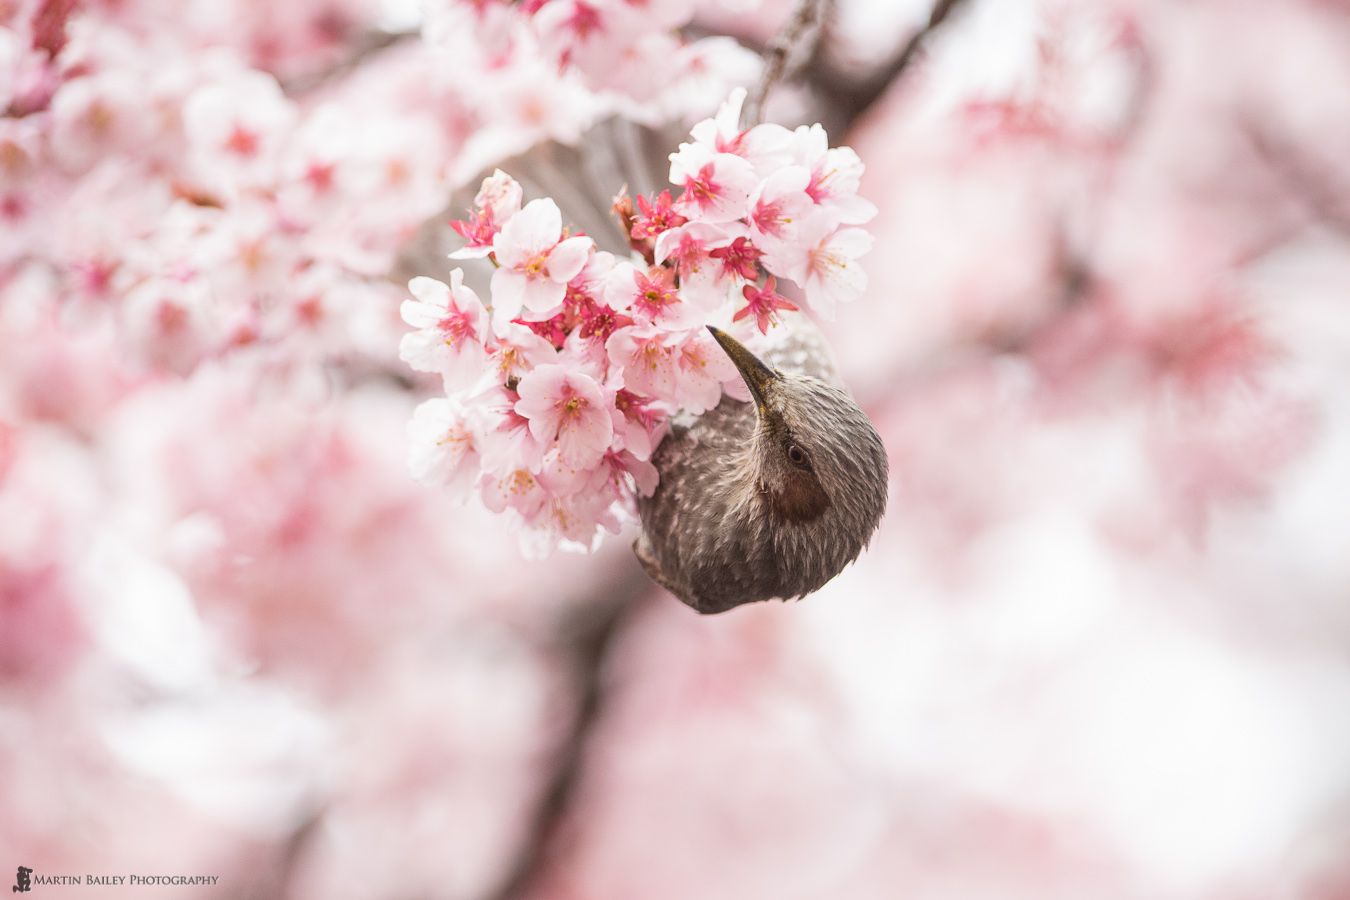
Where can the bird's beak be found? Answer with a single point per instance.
(757, 375)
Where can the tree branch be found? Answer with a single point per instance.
(585, 638)
(366, 46)
(790, 50)
(855, 99)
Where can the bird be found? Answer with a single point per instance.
(767, 498)
(755, 500)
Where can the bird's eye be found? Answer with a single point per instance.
(795, 455)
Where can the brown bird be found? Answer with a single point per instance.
(770, 498)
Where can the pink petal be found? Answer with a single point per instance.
(419, 314)
(429, 290)
(534, 229)
(644, 475)
(508, 293)
(543, 296)
(567, 259)
(540, 392)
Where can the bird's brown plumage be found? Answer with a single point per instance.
(770, 498)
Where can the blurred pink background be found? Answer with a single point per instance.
(1099, 648)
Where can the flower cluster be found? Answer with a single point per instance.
(546, 69)
(558, 391)
(632, 49)
(193, 204)
(198, 182)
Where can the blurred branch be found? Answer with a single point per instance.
(789, 51)
(363, 48)
(854, 99)
(1314, 188)
(277, 879)
(585, 637)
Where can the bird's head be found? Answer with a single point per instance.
(817, 461)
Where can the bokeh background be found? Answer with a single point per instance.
(1099, 648)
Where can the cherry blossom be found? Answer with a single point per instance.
(717, 186)
(567, 407)
(442, 452)
(656, 216)
(835, 175)
(621, 474)
(762, 303)
(702, 370)
(638, 427)
(588, 355)
(497, 201)
(643, 358)
(514, 351)
(824, 261)
(651, 296)
(235, 131)
(740, 259)
(254, 586)
(452, 330)
(518, 489)
(535, 260)
(504, 434)
(691, 248)
(499, 196)
(779, 206)
(767, 146)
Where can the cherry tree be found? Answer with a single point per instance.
(280, 488)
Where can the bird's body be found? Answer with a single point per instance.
(770, 498)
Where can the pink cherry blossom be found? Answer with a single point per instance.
(763, 304)
(567, 407)
(452, 330)
(535, 261)
(833, 274)
(503, 434)
(702, 367)
(779, 206)
(644, 360)
(597, 321)
(637, 426)
(650, 296)
(235, 130)
(690, 248)
(582, 293)
(835, 175)
(514, 351)
(655, 217)
(478, 232)
(518, 489)
(739, 259)
(591, 35)
(620, 474)
(824, 261)
(573, 523)
(717, 186)
(498, 199)
(560, 477)
(441, 448)
(766, 146)
(499, 195)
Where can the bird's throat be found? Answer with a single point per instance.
(801, 499)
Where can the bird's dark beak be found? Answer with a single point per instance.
(757, 375)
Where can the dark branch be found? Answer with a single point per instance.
(853, 99)
(363, 48)
(790, 50)
(1310, 184)
(585, 639)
